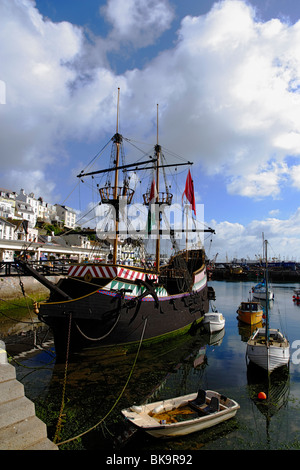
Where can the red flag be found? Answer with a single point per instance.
(189, 191)
(153, 192)
(151, 213)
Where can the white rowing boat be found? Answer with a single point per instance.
(182, 415)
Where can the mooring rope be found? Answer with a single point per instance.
(118, 399)
(101, 337)
(58, 426)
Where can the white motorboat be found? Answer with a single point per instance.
(259, 292)
(213, 321)
(182, 415)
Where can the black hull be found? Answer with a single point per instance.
(112, 320)
(113, 305)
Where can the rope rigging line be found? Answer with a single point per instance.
(118, 399)
(89, 165)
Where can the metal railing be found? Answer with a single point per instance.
(12, 268)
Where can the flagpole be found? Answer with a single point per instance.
(186, 233)
(117, 142)
(190, 196)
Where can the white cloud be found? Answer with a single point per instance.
(35, 182)
(237, 240)
(295, 176)
(228, 96)
(260, 183)
(32, 56)
(240, 107)
(228, 91)
(138, 22)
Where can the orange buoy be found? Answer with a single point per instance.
(262, 396)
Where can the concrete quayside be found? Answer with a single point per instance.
(20, 428)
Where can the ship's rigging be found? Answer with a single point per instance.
(113, 190)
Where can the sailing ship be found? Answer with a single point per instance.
(110, 303)
(268, 347)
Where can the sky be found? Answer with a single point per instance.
(226, 78)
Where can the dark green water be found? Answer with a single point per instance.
(96, 380)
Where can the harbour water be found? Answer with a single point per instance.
(96, 385)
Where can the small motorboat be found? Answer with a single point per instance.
(250, 312)
(182, 415)
(259, 292)
(213, 321)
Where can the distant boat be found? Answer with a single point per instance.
(259, 292)
(250, 312)
(213, 322)
(268, 348)
(296, 295)
(182, 415)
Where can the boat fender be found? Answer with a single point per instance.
(158, 409)
(36, 308)
(137, 409)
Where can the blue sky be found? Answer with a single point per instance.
(226, 76)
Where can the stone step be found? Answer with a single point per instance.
(11, 390)
(7, 372)
(20, 429)
(22, 435)
(15, 411)
(44, 444)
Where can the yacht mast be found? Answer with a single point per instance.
(267, 309)
(267, 296)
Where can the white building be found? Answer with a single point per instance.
(7, 209)
(24, 232)
(26, 212)
(7, 203)
(7, 230)
(66, 215)
(73, 239)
